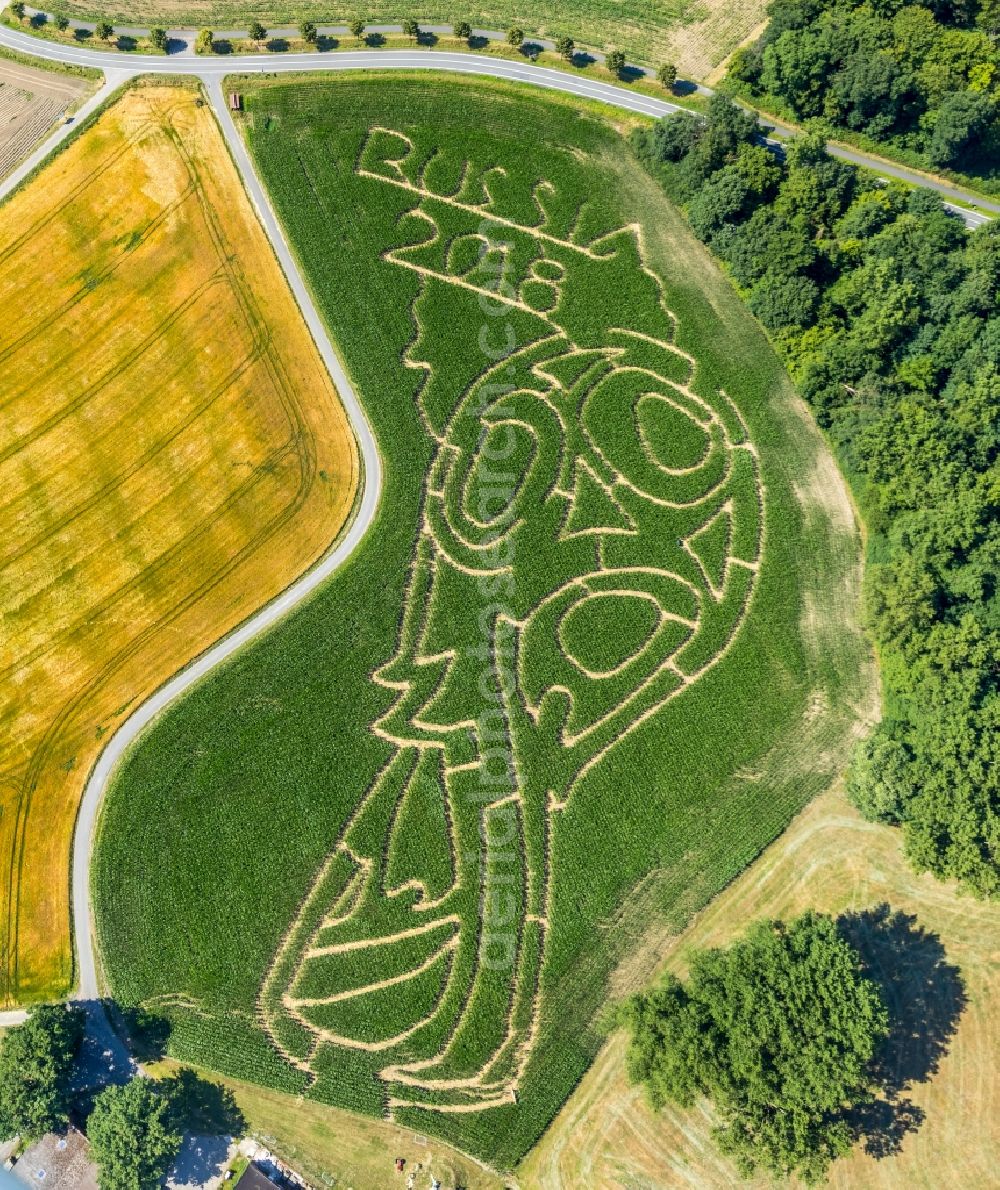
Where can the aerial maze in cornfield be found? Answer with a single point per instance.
(414, 832)
(589, 538)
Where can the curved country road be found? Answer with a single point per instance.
(211, 71)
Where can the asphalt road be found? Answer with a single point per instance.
(207, 67)
(211, 70)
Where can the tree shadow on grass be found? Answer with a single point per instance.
(277, 45)
(147, 1033)
(925, 996)
(203, 1108)
(325, 43)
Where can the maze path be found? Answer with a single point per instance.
(591, 533)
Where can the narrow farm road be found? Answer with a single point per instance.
(211, 71)
(88, 988)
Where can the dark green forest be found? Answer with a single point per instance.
(885, 311)
(918, 75)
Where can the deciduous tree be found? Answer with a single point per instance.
(667, 75)
(131, 1137)
(778, 1031)
(36, 1065)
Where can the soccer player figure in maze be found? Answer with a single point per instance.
(590, 536)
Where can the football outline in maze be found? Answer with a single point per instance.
(590, 539)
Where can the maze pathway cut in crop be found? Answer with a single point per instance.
(590, 537)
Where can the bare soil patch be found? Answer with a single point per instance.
(31, 101)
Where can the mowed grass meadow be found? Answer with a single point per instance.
(232, 843)
(172, 453)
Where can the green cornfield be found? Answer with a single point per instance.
(598, 648)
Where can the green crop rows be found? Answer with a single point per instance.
(376, 859)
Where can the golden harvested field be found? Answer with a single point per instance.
(829, 859)
(172, 454)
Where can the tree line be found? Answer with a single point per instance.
(885, 310)
(920, 75)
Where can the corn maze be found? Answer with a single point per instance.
(399, 855)
(589, 540)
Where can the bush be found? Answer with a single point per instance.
(880, 782)
(158, 39)
(615, 61)
(962, 120)
(783, 301)
(674, 137)
(463, 30)
(515, 36)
